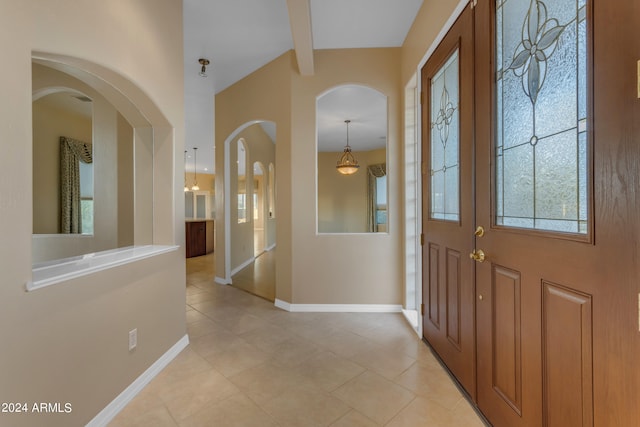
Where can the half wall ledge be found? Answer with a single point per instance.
(52, 272)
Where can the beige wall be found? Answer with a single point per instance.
(264, 95)
(343, 199)
(324, 265)
(68, 342)
(125, 180)
(312, 268)
(431, 18)
(49, 124)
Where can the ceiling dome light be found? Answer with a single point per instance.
(204, 62)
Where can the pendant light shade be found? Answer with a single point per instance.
(347, 165)
(195, 174)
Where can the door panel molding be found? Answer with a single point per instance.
(434, 285)
(453, 296)
(567, 356)
(507, 336)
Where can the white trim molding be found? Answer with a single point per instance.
(243, 265)
(339, 308)
(222, 281)
(112, 409)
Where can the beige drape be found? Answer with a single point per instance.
(72, 152)
(375, 171)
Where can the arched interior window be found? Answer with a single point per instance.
(243, 201)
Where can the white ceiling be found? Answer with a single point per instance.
(240, 36)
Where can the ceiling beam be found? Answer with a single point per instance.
(300, 21)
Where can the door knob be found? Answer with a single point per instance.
(477, 255)
(479, 231)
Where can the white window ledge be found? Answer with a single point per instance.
(52, 272)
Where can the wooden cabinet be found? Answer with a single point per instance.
(199, 238)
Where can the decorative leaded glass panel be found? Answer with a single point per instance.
(445, 147)
(541, 106)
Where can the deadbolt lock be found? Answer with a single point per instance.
(479, 231)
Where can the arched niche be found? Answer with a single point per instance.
(353, 117)
(127, 201)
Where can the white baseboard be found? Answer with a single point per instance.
(112, 409)
(243, 265)
(222, 281)
(413, 320)
(339, 308)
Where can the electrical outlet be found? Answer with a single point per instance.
(133, 339)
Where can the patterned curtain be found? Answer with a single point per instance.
(72, 152)
(375, 171)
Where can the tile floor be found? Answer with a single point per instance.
(251, 364)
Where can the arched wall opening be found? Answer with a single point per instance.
(152, 211)
(258, 136)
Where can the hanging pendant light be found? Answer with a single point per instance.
(185, 171)
(347, 165)
(195, 174)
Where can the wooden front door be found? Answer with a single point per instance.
(448, 210)
(556, 187)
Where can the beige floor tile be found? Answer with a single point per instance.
(424, 412)
(203, 327)
(157, 417)
(242, 324)
(146, 401)
(215, 309)
(374, 396)
(188, 395)
(202, 296)
(267, 337)
(329, 371)
(195, 316)
(215, 342)
(347, 344)
(187, 363)
(293, 352)
(387, 363)
(192, 290)
(432, 382)
(252, 364)
(267, 381)
(464, 415)
(236, 411)
(305, 407)
(237, 358)
(355, 419)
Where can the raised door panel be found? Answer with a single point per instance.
(567, 357)
(434, 286)
(507, 337)
(453, 296)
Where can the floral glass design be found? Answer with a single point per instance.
(445, 123)
(539, 40)
(541, 152)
